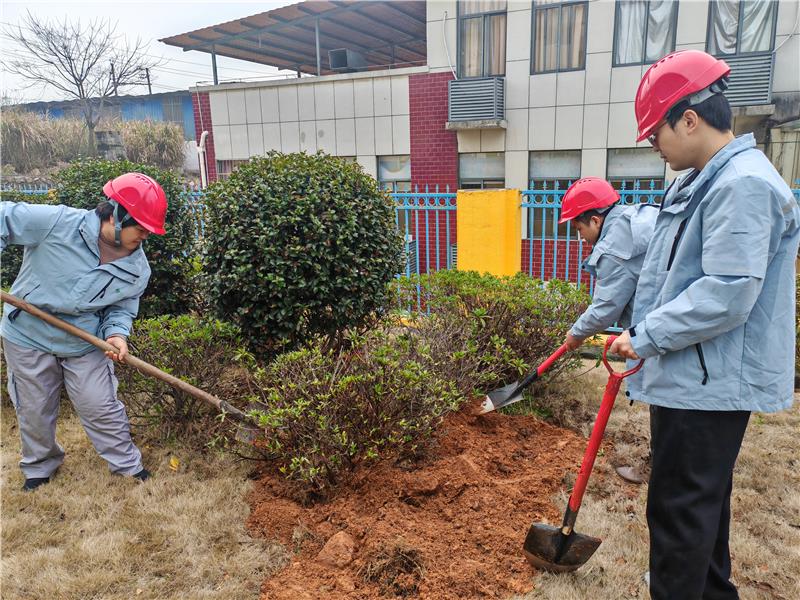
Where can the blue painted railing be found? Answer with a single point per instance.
(27, 188)
(552, 250)
(427, 220)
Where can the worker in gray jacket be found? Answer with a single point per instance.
(714, 318)
(619, 236)
(87, 268)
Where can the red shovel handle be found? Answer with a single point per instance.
(550, 360)
(609, 396)
(611, 339)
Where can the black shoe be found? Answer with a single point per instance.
(34, 482)
(142, 475)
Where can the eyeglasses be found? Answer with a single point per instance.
(652, 137)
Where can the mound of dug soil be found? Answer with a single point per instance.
(451, 526)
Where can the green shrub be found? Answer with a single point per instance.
(81, 185)
(323, 412)
(485, 330)
(157, 143)
(208, 354)
(298, 245)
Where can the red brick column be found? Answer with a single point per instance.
(434, 162)
(434, 150)
(202, 122)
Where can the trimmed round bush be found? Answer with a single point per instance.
(298, 245)
(169, 291)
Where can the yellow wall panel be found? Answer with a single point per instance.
(489, 231)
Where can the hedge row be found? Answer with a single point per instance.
(324, 410)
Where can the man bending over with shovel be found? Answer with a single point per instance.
(87, 268)
(619, 236)
(714, 317)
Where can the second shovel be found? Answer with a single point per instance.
(511, 393)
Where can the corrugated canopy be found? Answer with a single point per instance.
(385, 33)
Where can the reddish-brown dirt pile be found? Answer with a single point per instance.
(451, 526)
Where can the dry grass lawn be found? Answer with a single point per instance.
(765, 532)
(89, 534)
(181, 535)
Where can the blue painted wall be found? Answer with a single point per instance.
(142, 110)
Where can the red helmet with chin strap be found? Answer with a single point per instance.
(693, 75)
(587, 194)
(142, 197)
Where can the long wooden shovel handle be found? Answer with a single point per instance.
(137, 363)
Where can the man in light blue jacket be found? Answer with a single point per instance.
(619, 236)
(87, 268)
(714, 318)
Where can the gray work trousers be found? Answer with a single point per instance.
(34, 384)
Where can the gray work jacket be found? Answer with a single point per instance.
(715, 306)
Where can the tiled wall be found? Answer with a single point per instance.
(373, 114)
(345, 115)
(553, 255)
(591, 109)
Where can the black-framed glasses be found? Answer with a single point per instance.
(652, 137)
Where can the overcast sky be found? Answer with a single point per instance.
(149, 21)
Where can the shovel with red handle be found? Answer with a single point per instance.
(561, 549)
(137, 363)
(513, 391)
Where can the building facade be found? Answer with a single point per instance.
(521, 94)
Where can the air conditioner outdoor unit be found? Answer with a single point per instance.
(344, 59)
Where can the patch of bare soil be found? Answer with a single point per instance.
(451, 526)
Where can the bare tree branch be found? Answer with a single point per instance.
(76, 60)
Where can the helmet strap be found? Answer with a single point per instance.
(604, 213)
(118, 222)
(718, 87)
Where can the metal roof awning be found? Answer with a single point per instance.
(388, 33)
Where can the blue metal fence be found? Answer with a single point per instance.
(27, 188)
(427, 220)
(552, 250)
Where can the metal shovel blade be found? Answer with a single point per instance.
(547, 549)
(501, 397)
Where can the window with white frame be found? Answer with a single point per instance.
(394, 173)
(549, 171)
(644, 31)
(481, 38)
(558, 36)
(631, 169)
(226, 167)
(554, 169)
(481, 170)
(741, 27)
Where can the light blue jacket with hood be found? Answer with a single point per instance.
(714, 310)
(61, 274)
(615, 262)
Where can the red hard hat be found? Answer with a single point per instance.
(142, 197)
(586, 194)
(674, 77)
